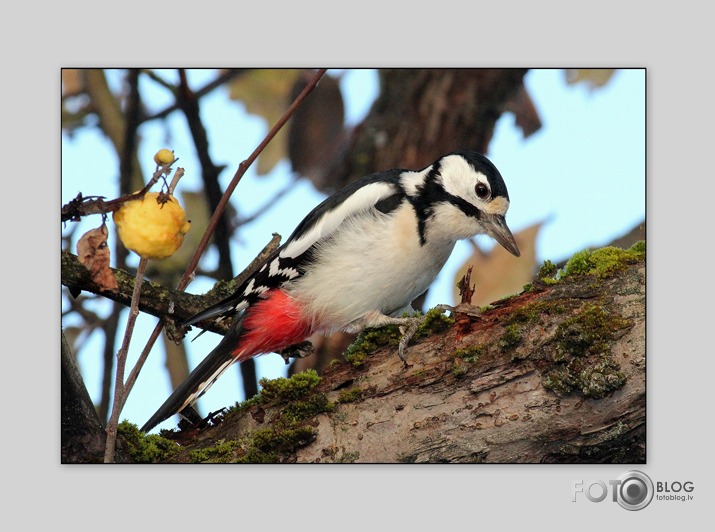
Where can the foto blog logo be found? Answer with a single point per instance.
(632, 490)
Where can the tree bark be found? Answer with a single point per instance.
(553, 375)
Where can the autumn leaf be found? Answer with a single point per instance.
(499, 274)
(593, 77)
(93, 252)
(266, 93)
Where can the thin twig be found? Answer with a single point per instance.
(142, 358)
(83, 206)
(119, 389)
(177, 175)
(217, 82)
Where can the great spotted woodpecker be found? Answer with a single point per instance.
(357, 260)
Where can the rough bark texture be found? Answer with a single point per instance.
(553, 375)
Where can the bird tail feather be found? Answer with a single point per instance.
(200, 379)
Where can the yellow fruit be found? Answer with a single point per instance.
(152, 230)
(164, 156)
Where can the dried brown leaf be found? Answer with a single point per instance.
(93, 252)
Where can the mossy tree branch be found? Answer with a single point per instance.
(158, 300)
(554, 374)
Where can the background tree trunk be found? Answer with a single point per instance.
(422, 114)
(83, 435)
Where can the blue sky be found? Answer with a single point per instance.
(584, 172)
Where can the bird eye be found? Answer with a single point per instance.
(482, 190)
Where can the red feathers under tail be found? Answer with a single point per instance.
(269, 325)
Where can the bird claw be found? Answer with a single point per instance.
(407, 330)
(192, 420)
(301, 350)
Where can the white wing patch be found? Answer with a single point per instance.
(361, 201)
(276, 270)
(241, 306)
(251, 288)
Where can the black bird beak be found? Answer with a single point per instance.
(497, 228)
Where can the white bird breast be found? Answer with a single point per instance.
(375, 262)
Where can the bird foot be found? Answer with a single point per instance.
(408, 328)
(300, 350)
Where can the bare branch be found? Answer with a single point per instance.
(120, 392)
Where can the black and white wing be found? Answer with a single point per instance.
(379, 192)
